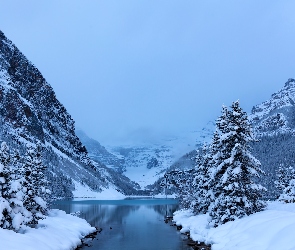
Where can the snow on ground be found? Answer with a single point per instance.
(163, 196)
(59, 231)
(144, 176)
(271, 229)
(83, 192)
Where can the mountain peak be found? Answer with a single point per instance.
(279, 100)
(289, 82)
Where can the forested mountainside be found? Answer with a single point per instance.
(30, 112)
(273, 122)
(185, 162)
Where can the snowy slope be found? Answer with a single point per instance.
(145, 164)
(99, 153)
(30, 112)
(275, 116)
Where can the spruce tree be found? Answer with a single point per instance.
(203, 194)
(286, 184)
(20, 214)
(284, 176)
(5, 209)
(184, 183)
(34, 184)
(288, 194)
(5, 169)
(13, 214)
(42, 191)
(233, 169)
(182, 180)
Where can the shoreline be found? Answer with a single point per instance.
(256, 231)
(194, 244)
(88, 238)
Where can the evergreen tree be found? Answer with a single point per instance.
(288, 194)
(42, 188)
(5, 209)
(34, 184)
(182, 180)
(20, 214)
(5, 170)
(284, 176)
(185, 185)
(13, 214)
(203, 194)
(233, 169)
(286, 184)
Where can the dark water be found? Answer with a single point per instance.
(129, 224)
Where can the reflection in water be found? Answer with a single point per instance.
(129, 224)
(165, 210)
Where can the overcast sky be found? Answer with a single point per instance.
(144, 67)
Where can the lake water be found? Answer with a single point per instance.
(129, 224)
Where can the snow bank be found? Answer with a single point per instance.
(83, 192)
(270, 229)
(59, 231)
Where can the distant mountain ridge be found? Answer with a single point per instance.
(141, 164)
(99, 153)
(146, 163)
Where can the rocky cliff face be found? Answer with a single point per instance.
(276, 115)
(30, 111)
(99, 153)
(273, 123)
(29, 104)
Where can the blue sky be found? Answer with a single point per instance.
(145, 68)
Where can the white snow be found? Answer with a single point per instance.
(163, 196)
(283, 98)
(59, 231)
(83, 192)
(144, 176)
(166, 149)
(58, 152)
(270, 229)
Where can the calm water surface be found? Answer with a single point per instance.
(129, 224)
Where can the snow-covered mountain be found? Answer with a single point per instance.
(146, 163)
(273, 122)
(30, 111)
(275, 116)
(142, 164)
(99, 153)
